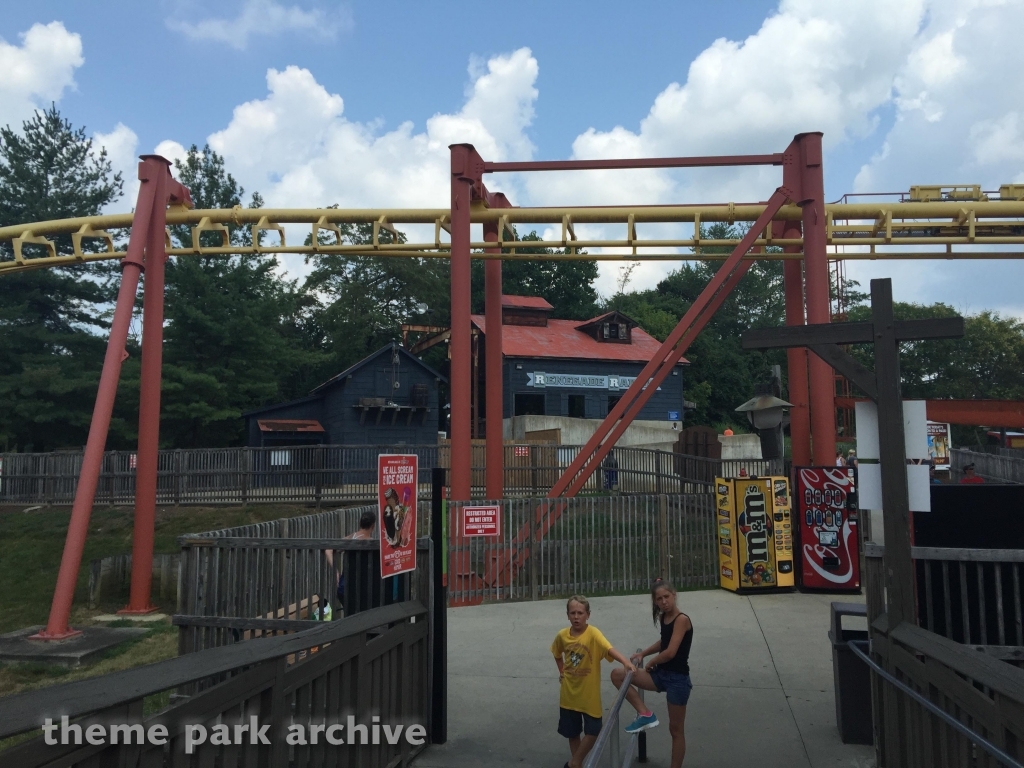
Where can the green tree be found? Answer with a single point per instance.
(566, 284)
(721, 375)
(51, 350)
(236, 335)
(362, 301)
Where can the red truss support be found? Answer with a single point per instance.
(145, 249)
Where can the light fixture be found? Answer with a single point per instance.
(765, 411)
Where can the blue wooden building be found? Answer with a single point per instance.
(390, 397)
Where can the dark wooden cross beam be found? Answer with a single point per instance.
(883, 386)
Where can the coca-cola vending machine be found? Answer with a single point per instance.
(826, 525)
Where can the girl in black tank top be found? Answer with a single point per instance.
(668, 671)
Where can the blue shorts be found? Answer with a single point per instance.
(675, 684)
(572, 723)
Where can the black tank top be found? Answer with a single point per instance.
(679, 663)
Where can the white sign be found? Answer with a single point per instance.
(578, 381)
(915, 440)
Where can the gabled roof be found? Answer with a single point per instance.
(289, 425)
(607, 316)
(563, 339)
(275, 406)
(525, 302)
(370, 358)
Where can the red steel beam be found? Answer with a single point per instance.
(494, 449)
(975, 413)
(633, 401)
(799, 414)
(149, 395)
(639, 391)
(816, 285)
(151, 173)
(465, 165)
(640, 162)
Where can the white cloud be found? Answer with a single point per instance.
(122, 152)
(958, 103)
(297, 148)
(264, 18)
(38, 71)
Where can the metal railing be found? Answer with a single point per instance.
(608, 740)
(859, 648)
(597, 545)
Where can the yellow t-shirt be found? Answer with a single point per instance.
(581, 665)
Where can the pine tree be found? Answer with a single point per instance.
(51, 320)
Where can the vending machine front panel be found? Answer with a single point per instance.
(782, 518)
(728, 569)
(829, 551)
(755, 533)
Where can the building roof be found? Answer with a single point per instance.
(370, 358)
(525, 302)
(289, 425)
(563, 339)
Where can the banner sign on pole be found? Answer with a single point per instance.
(397, 476)
(481, 521)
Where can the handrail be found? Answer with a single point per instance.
(992, 749)
(610, 728)
(26, 711)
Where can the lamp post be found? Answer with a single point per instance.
(766, 414)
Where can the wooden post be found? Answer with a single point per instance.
(177, 477)
(246, 462)
(899, 567)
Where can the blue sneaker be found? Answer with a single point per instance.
(643, 723)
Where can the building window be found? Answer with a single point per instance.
(529, 405)
(577, 406)
(612, 400)
(615, 331)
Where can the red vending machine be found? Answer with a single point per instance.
(826, 525)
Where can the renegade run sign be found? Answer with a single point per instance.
(396, 498)
(578, 381)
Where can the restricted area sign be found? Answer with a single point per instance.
(481, 521)
(396, 496)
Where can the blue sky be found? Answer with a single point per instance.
(315, 103)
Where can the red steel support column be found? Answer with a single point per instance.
(822, 383)
(494, 474)
(92, 460)
(799, 414)
(149, 401)
(459, 384)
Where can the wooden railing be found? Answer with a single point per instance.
(275, 577)
(371, 663)
(967, 672)
(330, 474)
(992, 467)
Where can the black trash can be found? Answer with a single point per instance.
(851, 677)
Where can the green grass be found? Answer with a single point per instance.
(31, 544)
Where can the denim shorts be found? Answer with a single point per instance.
(572, 723)
(675, 684)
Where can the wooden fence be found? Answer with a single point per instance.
(995, 468)
(375, 662)
(330, 474)
(599, 545)
(949, 692)
(274, 577)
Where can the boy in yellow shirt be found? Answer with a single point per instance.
(578, 650)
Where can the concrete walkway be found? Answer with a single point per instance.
(761, 668)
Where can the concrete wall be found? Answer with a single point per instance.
(660, 435)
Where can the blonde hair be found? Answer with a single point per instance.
(578, 599)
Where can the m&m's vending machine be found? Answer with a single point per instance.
(826, 524)
(755, 533)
